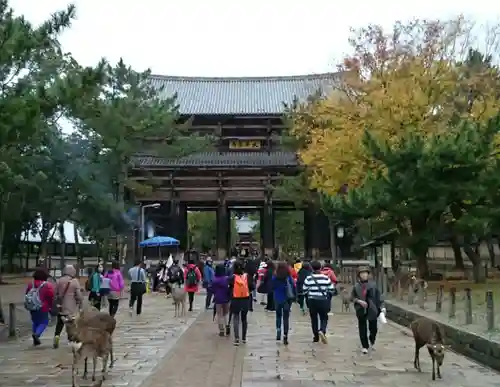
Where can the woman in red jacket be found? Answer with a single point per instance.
(40, 312)
(192, 279)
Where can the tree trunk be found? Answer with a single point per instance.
(477, 269)
(419, 252)
(333, 241)
(2, 232)
(62, 236)
(491, 251)
(79, 258)
(457, 252)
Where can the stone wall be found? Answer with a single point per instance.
(472, 345)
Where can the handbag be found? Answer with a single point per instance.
(142, 287)
(290, 293)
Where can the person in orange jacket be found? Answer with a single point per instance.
(328, 271)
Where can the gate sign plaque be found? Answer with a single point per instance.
(244, 144)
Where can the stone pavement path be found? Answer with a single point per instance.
(141, 342)
(152, 353)
(340, 363)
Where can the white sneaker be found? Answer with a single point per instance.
(131, 312)
(364, 351)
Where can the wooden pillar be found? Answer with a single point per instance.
(222, 228)
(317, 234)
(267, 229)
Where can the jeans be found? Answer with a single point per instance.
(136, 293)
(208, 299)
(283, 315)
(39, 322)
(318, 312)
(365, 325)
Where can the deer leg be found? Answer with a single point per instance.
(416, 359)
(94, 364)
(433, 368)
(111, 357)
(84, 376)
(104, 367)
(74, 369)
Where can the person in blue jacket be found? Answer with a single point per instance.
(208, 276)
(284, 293)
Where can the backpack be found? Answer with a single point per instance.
(191, 279)
(176, 274)
(240, 287)
(32, 300)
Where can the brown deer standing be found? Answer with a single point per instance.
(429, 333)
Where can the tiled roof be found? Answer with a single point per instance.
(222, 159)
(235, 96)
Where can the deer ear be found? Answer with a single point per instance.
(431, 346)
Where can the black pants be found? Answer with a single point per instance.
(113, 306)
(365, 325)
(95, 300)
(208, 299)
(300, 300)
(59, 326)
(191, 300)
(270, 301)
(250, 303)
(318, 312)
(239, 312)
(136, 293)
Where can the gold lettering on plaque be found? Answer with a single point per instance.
(244, 144)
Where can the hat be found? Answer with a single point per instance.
(363, 269)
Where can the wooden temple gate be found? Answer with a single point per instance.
(245, 116)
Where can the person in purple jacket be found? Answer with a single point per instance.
(220, 290)
(116, 285)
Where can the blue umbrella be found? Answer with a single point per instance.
(159, 241)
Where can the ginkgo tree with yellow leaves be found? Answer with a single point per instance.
(413, 78)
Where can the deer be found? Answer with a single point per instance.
(179, 298)
(90, 320)
(429, 333)
(346, 299)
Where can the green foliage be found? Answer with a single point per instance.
(49, 177)
(202, 230)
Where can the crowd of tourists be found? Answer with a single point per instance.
(232, 287)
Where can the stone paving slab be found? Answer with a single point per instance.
(141, 342)
(270, 364)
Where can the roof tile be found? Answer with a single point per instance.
(235, 96)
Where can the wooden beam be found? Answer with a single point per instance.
(206, 178)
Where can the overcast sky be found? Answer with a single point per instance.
(232, 37)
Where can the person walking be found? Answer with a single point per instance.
(318, 290)
(220, 289)
(284, 293)
(261, 272)
(266, 284)
(208, 276)
(304, 272)
(95, 280)
(138, 278)
(39, 300)
(368, 304)
(116, 286)
(68, 299)
(192, 278)
(241, 286)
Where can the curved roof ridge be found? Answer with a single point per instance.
(279, 78)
